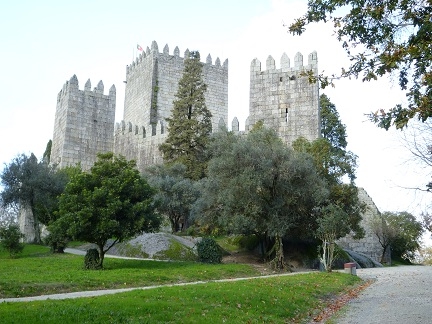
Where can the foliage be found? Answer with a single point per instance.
(64, 273)
(92, 260)
(209, 251)
(58, 238)
(332, 128)
(47, 154)
(335, 164)
(175, 193)
(111, 201)
(10, 237)
(7, 215)
(190, 124)
(256, 184)
(33, 185)
(400, 232)
(407, 242)
(381, 38)
(331, 226)
(425, 255)
(416, 139)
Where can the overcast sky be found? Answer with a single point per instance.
(43, 43)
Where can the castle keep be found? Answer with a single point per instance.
(284, 99)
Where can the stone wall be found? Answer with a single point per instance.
(84, 124)
(284, 99)
(151, 84)
(369, 245)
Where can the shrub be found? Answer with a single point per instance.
(10, 237)
(209, 251)
(57, 239)
(92, 260)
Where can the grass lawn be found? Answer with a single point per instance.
(39, 272)
(286, 299)
(289, 299)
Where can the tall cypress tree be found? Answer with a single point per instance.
(189, 126)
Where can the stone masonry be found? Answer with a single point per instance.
(84, 124)
(151, 84)
(284, 99)
(369, 245)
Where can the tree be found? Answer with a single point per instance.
(382, 37)
(385, 234)
(190, 125)
(332, 128)
(175, 193)
(331, 226)
(400, 232)
(10, 237)
(256, 184)
(33, 185)
(47, 154)
(111, 201)
(407, 243)
(335, 164)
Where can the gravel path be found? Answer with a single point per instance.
(399, 295)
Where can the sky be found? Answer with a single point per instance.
(44, 43)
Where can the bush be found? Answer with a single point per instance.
(10, 237)
(209, 251)
(92, 260)
(57, 239)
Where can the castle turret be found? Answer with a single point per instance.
(284, 99)
(84, 124)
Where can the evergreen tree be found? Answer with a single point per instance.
(189, 126)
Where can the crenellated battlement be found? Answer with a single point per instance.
(285, 64)
(72, 85)
(128, 128)
(283, 98)
(153, 52)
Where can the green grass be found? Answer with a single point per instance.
(288, 299)
(38, 272)
(285, 299)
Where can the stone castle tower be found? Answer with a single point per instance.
(151, 83)
(284, 99)
(84, 124)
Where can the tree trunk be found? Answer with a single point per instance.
(383, 254)
(101, 255)
(278, 261)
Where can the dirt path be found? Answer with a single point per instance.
(398, 295)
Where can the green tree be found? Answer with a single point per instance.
(111, 201)
(256, 184)
(336, 165)
(47, 154)
(10, 237)
(33, 185)
(407, 243)
(382, 37)
(175, 193)
(400, 232)
(331, 225)
(189, 126)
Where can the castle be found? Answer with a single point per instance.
(281, 97)
(84, 123)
